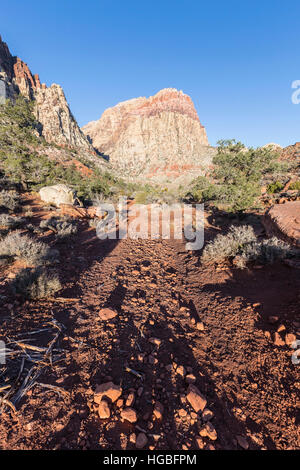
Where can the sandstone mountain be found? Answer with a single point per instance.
(158, 138)
(51, 108)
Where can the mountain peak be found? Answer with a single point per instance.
(50, 105)
(146, 135)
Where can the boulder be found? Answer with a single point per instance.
(58, 194)
(283, 221)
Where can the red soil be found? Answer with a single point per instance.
(159, 290)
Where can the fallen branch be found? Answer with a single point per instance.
(54, 388)
(41, 357)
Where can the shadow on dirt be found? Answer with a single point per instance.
(224, 358)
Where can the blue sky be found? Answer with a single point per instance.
(236, 59)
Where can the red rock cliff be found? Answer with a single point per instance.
(156, 136)
(51, 108)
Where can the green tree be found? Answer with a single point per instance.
(239, 173)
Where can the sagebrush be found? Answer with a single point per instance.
(10, 222)
(63, 227)
(9, 200)
(36, 283)
(241, 246)
(33, 252)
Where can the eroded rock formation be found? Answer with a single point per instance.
(58, 123)
(51, 108)
(283, 221)
(154, 137)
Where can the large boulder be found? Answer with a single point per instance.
(58, 194)
(283, 221)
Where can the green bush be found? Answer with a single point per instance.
(21, 162)
(237, 177)
(295, 186)
(202, 190)
(149, 194)
(19, 112)
(240, 173)
(36, 283)
(275, 187)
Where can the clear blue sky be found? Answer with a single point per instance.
(235, 58)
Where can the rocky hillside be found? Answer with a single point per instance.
(292, 154)
(57, 123)
(158, 137)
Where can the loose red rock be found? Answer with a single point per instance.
(195, 398)
(108, 389)
(103, 410)
(129, 414)
(107, 314)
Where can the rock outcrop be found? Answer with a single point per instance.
(283, 221)
(51, 108)
(292, 154)
(58, 123)
(154, 137)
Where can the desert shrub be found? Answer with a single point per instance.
(242, 247)
(9, 200)
(27, 211)
(5, 260)
(21, 161)
(274, 249)
(10, 222)
(295, 185)
(33, 229)
(143, 197)
(20, 112)
(62, 226)
(36, 283)
(228, 246)
(24, 247)
(238, 174)
(149, 194)
(275, 187)
(202, 190)
(265, 252)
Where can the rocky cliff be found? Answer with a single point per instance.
(157, 137)
(51, 108)
(58, 123)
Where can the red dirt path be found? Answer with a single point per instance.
(160, 290)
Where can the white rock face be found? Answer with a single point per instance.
(272, 146)
(58, 124)
(58, 194)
